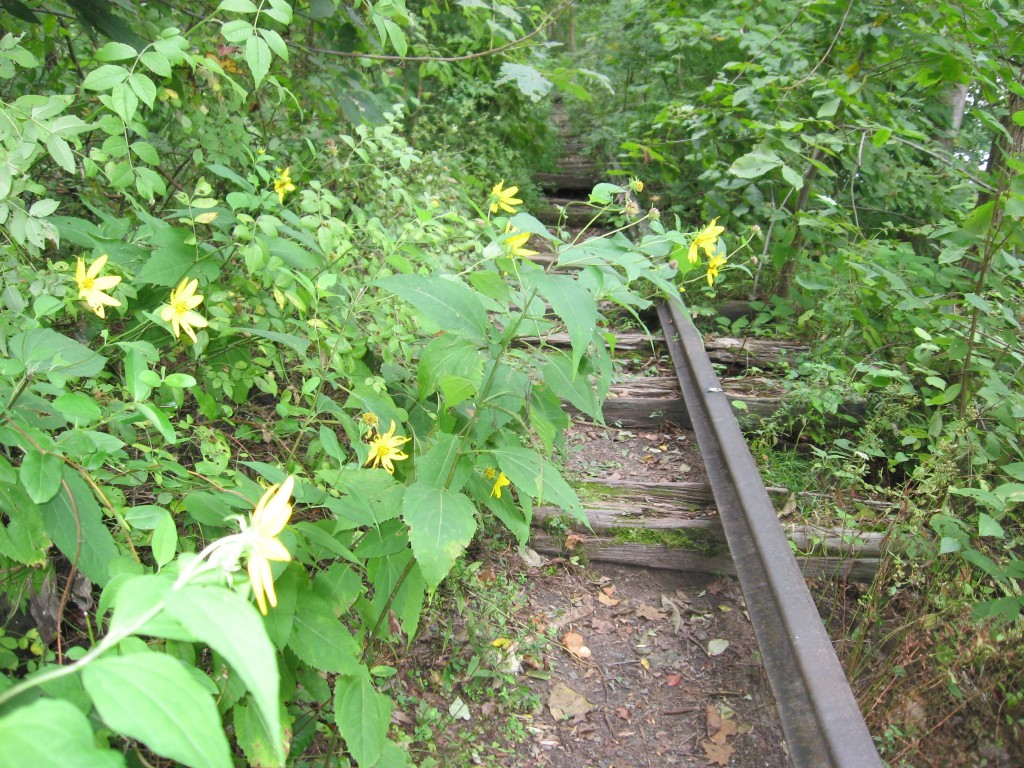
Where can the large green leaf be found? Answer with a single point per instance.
(229, 624)
(320, 639)
(171, 259)
(532, 474)
(447, 303)
(153, 698)
(40, 475)
(572, 383)
(755, 164)
(444, 465)
(52, 732)
(574, 304)
(44, 351)
(363, 716)
(441, 525)
(448, 356)
(23, 538)
(75, 524)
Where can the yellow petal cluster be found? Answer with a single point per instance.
(515, 242)
(504, 198)
(714, 264)
(283, 183)
(706, 239)
(92, 287)
(268, 520)
(384, 449)
(500, 482)
(178, 311)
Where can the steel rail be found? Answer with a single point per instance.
(820, 717)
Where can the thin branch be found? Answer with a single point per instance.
(835, 39)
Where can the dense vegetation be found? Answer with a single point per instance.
(231, 232)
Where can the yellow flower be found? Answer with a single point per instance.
(91, 286)
(707, 239)
(178, 311)
(499, 483)
(267, 521)
(490, 472)
(505, 199)
(515, 241)
(283, 183)
(369, 419)
(636, 185)
(714, 263)
(384, 450)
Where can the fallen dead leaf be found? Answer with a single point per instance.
(604, 599)
(602, 626)
(650, 613)
(575, 644)
(645, 663)
(719, 754)
(564, 702)
(717, 647)
(713, 718)
(622, 713)
(672, 680)
(609, 590)
(572, 541)
(728, 729)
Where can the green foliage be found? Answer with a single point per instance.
(228, 262)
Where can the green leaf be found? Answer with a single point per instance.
(793, 178)
(238, 6)
(151, 697)
(257, 56)
(40, 475)
(528, 80)
(447, 303)
(51, 731)
(320, 640)
(538, 477)
(363, 717)
(755, 164)
(165, 541)
(441, 526)
(78, 408)
(171, 260)
(44, 351)
(572, 383)
(61, 152)
(574, 304)
(881, 137)
(260, 748)
(229, 624)
(444, 466)
(115, 52)
(448, 356)
(157, 418)
(23, 538)
(75, 524)
(947, 396)
(988, 526)
(156, 63)
(829, 108)
(105, 77)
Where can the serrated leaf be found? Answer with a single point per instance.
(441, 526)
(151, 697)
(571, 383)
(44, 351)
(23, 538)
(363, 717)
(61, 152)
(233, 628)
(156, 63)
(574, 305)
(448, 304)
(528, 80)
(105, 77)
(320, 639)
(538, 477)
(115, 51)
(75, 524)
(143, 87)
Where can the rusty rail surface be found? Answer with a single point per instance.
(820, 716)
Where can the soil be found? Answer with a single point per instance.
(672, 676)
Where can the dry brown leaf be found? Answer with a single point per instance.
(714, 719)
(572, 541)
(601, 626)
(728, 729)
(604, 599)
(564, 702)
(719, 754)
(574, 643)
(650, 613)
(622, 713)
(609, 590)
(673, 611)
(672, 680)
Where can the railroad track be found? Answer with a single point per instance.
(820, 717)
